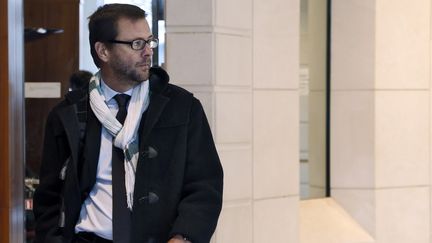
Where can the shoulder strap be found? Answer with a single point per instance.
(81, 112)
(79, 100)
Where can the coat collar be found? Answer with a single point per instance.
(158, 83)
(159, 79)
(70, 118)
(158, 89)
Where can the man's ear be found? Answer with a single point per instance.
(102, 51)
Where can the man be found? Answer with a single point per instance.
(127, 172)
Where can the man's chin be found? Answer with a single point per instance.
(141, 78)
(144, 74)
(145, 77)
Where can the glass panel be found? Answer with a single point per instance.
(88, 7)
(161, 47)
(313, 95)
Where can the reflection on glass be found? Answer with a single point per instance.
(313, 94)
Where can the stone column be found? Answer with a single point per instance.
(276, 36)
(240, 58)
(380, 117)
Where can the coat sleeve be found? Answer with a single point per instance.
(201, 202)
(47, 198)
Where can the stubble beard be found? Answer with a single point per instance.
(131, 73)
(136, 76)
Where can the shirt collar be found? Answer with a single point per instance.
(109, 93)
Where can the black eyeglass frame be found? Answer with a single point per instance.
(131, 43)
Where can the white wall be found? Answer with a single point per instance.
(247, 76)
(381, 116)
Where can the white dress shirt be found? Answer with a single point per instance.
(96, 211)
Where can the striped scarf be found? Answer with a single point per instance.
(125, 136)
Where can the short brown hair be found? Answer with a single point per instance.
(103, 23)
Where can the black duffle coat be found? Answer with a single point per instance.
(179, 178)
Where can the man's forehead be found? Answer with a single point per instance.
(123, 21)
(131, 27)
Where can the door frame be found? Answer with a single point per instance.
(12, 153)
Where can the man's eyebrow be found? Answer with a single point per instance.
(151, 36)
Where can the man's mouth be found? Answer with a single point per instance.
(144, 64)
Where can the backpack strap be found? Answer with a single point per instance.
(81, 112)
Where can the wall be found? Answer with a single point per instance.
(276, 120)
(381, 116)
(241, 58)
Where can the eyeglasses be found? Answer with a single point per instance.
(139, 44)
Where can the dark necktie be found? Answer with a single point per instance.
(121, 214)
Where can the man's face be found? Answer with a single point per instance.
(126, 63)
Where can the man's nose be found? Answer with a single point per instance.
(147, 51)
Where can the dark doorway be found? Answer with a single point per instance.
(51, 56)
